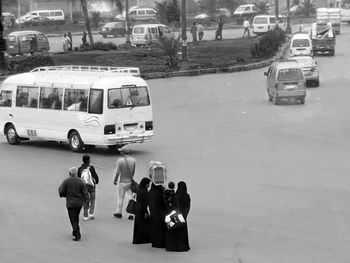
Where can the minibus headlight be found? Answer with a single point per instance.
(149, 125)
(110, 129)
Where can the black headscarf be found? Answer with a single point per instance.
(144, 182)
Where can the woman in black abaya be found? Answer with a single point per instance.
(142, 221)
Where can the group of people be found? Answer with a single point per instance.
(67, 42)
(154, 202)
(198, 33)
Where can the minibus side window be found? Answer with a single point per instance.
(6, 98)
(96, 101)
(51, 98)
(27, 97)
(75, 99)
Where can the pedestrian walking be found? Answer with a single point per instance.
(157, 211)
(70, 48)
(125, 173)
(65, 43)
(142, 231)
(88, 170)
(83, 39)
(218, 35)
(177, 239)
(246, 26)
(200, 31)
(75, 192)
(194, 32)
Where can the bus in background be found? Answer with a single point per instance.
(344, 6)
(81, 105)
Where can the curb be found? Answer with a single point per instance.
(196, 72)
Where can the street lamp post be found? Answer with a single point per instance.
(288, 29)
(184, 61)
(3, 68)
(127, 41)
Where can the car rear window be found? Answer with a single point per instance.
(139, 30)
(260, 20)
(301, 43)
(291, 74)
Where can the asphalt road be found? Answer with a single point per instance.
(268, 183)
(209, 34)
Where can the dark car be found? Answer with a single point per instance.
(113, 29)
(38, 21)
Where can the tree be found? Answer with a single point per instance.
(173, 12)
(308, 8)
(87, 20)
(161, 13)
(210, 6)
(262, 6)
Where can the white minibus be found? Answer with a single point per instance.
(81, 105)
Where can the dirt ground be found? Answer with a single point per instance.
(207, 54)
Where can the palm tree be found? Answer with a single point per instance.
(308, 7)
(87, 20)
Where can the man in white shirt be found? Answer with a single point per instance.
(246, 26)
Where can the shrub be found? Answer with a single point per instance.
(25, 64)
(268, 44)
(98, 46)
(170, 48)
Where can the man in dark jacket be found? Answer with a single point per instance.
(75, 192)
(89, 214)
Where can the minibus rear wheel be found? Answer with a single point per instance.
(75, 142)
(11, 135)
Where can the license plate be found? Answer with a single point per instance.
(260, 27)
(290, 87)
(129, 127)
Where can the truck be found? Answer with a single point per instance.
(329, 15)
(323, 38)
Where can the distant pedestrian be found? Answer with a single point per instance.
(194, 32)
(70, 48)
(157, 210)
(75, 192)
(65, 42)
(142, 231)
(125, 173)
(83, 39)
(301, 28)
(177, 239)
(200, 31)
(87, 168)
(246, 26)
(218, 35)
(12, 22)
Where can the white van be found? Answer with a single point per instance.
(79, 105)
(301, 45)
(148, 34)
(265, 23)
(53, 15)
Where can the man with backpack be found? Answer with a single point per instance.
(125, 173)
(88, 174)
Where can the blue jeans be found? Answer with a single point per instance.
(91, 204)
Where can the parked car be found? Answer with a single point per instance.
(114, 29)
(245, 11)
(285, 80)
(54, 15)
(143, 14)
(38, 21)
(24, 42)
(301, 45)
(148, 34)
(264, 23)
(310, 70)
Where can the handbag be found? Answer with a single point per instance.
(175, 220)
(131, 207)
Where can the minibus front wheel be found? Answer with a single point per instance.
(75, 142)
(11, 135)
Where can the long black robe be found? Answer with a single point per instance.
(157, 209)
(141, 224)
(177, 239)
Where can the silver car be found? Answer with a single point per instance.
(310, 70)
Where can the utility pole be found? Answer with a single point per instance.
(3, 68)
(184, 61)
(288, 29)
(127, 42)
(276, 9)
